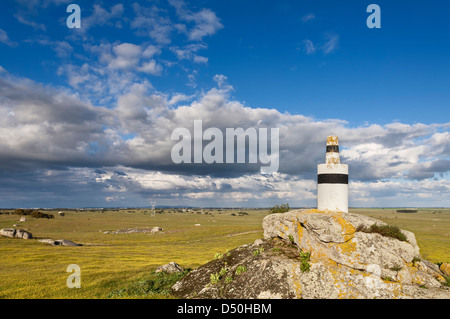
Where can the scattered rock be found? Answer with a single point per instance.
(258, 242)
(23, 234)
(47, 241)
(170, 268)
(134, 230)
(14, 233)
(65, 242)
(197, 225)
(318, 255)
(59, 242)
(8, 232)
(23, 219)
(156, 229)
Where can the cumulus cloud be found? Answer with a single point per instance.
(101, 17)
(205, 21)
(44, 130)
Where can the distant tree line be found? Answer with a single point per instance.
(279, 209)
(406, 210)
(33, 213)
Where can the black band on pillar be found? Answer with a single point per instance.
(333, 148)
(332, 179)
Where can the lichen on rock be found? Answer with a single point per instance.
(342, 263)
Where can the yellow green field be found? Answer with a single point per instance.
(30, 269)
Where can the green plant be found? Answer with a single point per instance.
(291, 239)
(240, 269)
(279, 209)
(218, 256)
(304, 261)
(383, 230)
(223, 271)
(228, 279)
(157, 284)
(214, 278)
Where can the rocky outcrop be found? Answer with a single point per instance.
(14, 233)
(313, 254)
(170, 268)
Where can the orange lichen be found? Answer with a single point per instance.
(348, 248)
(296, 282)
(332, 140)
(348, 230)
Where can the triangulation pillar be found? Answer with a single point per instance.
(332, 180)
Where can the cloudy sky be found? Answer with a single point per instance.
(86, 115)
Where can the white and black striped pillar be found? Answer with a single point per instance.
(332, 180)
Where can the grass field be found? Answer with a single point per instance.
(108, 262)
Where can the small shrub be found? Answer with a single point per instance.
(21, 211)
(258, 251)
(214, 278)
(240, 269)
(384, 230)
(223, 271)
(291, 239)
(304, 261)
(42, 215)
(159, 284)
(228, 279)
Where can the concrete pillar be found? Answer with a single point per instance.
(332, 180)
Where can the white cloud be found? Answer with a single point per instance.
(126, 56)
(4, 38)
(309, 47)
(101, 17)
(200, 59)
(45, 127)
(328, 45)
(308, 17)
(150, 67)
(205, 21)
(331, 43)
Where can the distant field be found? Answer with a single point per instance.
(30, 269)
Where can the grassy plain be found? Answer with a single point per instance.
(109, 262)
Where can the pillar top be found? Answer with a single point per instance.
(332, 140)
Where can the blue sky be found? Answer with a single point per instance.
(87, 113)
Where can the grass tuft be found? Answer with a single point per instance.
(384, 230)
